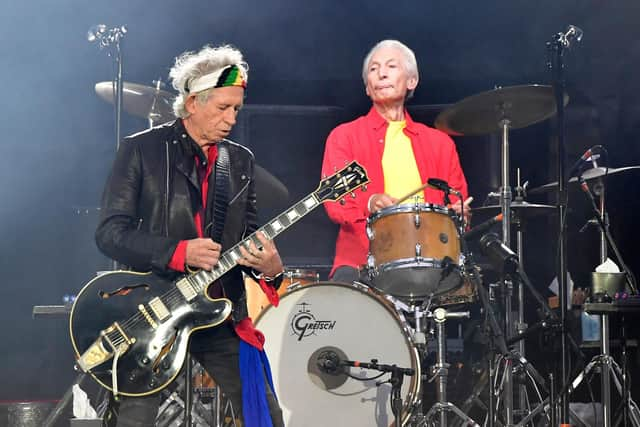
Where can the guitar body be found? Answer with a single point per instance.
(156, 339)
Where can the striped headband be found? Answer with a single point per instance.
(231, 75)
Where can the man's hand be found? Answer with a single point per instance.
(457, 208)
(202, 253)
(266, 260)
(380, 201)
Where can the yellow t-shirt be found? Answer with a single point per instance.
(401, 174)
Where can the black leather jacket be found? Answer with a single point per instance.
(152, 193)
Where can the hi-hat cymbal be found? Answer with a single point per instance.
(587, 175)
(141, 101)
(525, 209)
(485, 112)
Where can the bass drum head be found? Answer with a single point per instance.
(353, 323)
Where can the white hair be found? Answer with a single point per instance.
(192, 65)
(410, 63)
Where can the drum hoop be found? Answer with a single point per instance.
(416, 384)
(419, 262)
(301, 273)
(422, 207)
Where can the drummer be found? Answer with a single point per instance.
(398, 154)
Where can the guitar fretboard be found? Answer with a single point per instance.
(200, 280)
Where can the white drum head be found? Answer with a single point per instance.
(353, 323)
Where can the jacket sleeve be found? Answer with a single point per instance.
(121, 233)
(456, 177)
(337, 154)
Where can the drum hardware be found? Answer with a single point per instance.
(441, 372)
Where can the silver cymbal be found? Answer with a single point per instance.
(484, 113)
(587, 175)
(525, 209)
(141, 101)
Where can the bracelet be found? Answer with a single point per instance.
(266, 278)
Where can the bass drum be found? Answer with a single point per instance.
(353, 323)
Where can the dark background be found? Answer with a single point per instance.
(57, 136)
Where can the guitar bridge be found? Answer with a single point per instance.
(98, 353)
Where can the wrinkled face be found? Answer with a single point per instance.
(387, 78)
(213, 120)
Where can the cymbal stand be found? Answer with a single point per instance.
(505, 203)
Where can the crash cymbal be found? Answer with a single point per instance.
(483, 113)
(587, 175)
(271, 193)
(522, 208)
(141, 101)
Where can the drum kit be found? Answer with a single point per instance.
(340, 352)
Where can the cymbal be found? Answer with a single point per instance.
(587, 175)
(141, 101)
(522, 208)
(271, 193)
(483, 113)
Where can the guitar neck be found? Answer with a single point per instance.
(280, 223)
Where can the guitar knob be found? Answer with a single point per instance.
(145, 360)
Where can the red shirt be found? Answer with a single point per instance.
(363, 140)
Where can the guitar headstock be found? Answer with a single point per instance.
(341, 183)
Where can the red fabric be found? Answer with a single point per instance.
(179, 257)
(249, 334)
(270, 292)
(363, 140)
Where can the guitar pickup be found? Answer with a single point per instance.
(97, 353)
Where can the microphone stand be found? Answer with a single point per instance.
(556, 64)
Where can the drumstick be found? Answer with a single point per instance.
(406, 196)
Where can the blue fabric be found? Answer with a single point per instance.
(254, 365)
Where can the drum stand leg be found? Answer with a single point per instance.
(442, 407)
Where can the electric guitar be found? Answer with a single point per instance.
(131, 331)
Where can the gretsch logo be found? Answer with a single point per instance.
(304, 323)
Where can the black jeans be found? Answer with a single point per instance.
(221, 362)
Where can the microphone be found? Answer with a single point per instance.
(572, 33)
(106, 36)
(580, 161)
(480, 229)
(498, 253)
(442, 185)
(328, 362)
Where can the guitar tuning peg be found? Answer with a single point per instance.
(342, 202)
(353, 195)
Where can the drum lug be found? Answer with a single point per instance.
(370, 233)
(371, 264)
(416, 220)
(418, 250)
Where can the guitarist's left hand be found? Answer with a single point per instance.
(266, 260)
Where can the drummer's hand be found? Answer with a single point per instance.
(457, 208)
(379, 201)
(266, 260)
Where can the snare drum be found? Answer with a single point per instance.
(414, 251)
(355, 324)
(292, 279)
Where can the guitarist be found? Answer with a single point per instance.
(177, 196)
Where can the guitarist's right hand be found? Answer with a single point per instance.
(202, 253)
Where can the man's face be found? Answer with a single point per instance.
(387, 78)
(213, 120)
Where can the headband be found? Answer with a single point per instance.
(231, 75)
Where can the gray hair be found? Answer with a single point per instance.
(192, 65)
(410, 63)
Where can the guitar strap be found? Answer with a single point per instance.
(221, 197)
